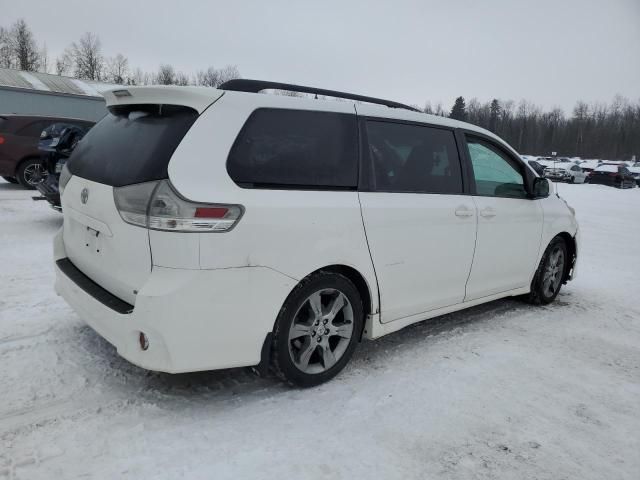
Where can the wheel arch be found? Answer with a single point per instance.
(352, 274)
(570, 242)
(358, 279)
(23, 160)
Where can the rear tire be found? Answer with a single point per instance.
(30, 173)
(550, 274)
(317, 329)
(10, 179)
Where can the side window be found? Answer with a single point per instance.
(413, 158)
(33, 129)
(296, 148)
(494, 172)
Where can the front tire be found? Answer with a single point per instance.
(550, 274)
(317, 329)
(10, 179)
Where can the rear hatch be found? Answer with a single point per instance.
(131, 145)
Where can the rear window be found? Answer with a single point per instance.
(295, 148)
(132, 144)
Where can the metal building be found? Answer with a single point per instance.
(31, 93)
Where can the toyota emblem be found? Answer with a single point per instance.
(84, 195)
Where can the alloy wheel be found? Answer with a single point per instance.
(35, 174)
(321, 331)
(553, 271)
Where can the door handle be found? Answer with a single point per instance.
(463, 211)
(488, 212)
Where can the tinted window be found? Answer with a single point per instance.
(494, 172)
(279, 147)
(413, 158)
(131, 145)
(33, 129)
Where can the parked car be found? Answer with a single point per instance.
(19, 154)
(566, 172)
(635, 171)
(57, 142)
(279, 240)
(589, 165)
(614, 175)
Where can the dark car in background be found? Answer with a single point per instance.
(614, 175)
(19, 155)
(57, 142)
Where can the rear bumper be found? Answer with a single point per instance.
(194, 319)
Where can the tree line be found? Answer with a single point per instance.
(86, 59)
(596, 130)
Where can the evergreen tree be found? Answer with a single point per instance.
(459, 110)
(494, 115)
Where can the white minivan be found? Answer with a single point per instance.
(214, 228)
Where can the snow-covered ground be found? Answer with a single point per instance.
(504, 390)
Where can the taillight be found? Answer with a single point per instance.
(158, 206)
(1, 139)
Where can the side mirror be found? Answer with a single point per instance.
(540, 188)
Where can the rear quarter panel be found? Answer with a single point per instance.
(294, 232)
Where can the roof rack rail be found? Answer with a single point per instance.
(255, 86)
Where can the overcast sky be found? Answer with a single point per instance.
(549, 52)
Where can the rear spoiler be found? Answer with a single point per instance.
(198, 98)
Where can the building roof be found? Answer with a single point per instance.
(45, 82)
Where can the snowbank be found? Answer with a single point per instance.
(504, 390)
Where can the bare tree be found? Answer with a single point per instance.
(64, 63)
(87, 57)
(208, 78)
(182, 79)
(6, 53)
(117, 69)
(166, 75)
(137, 77)
(227, 73)
(44, 59)
(23, 47)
